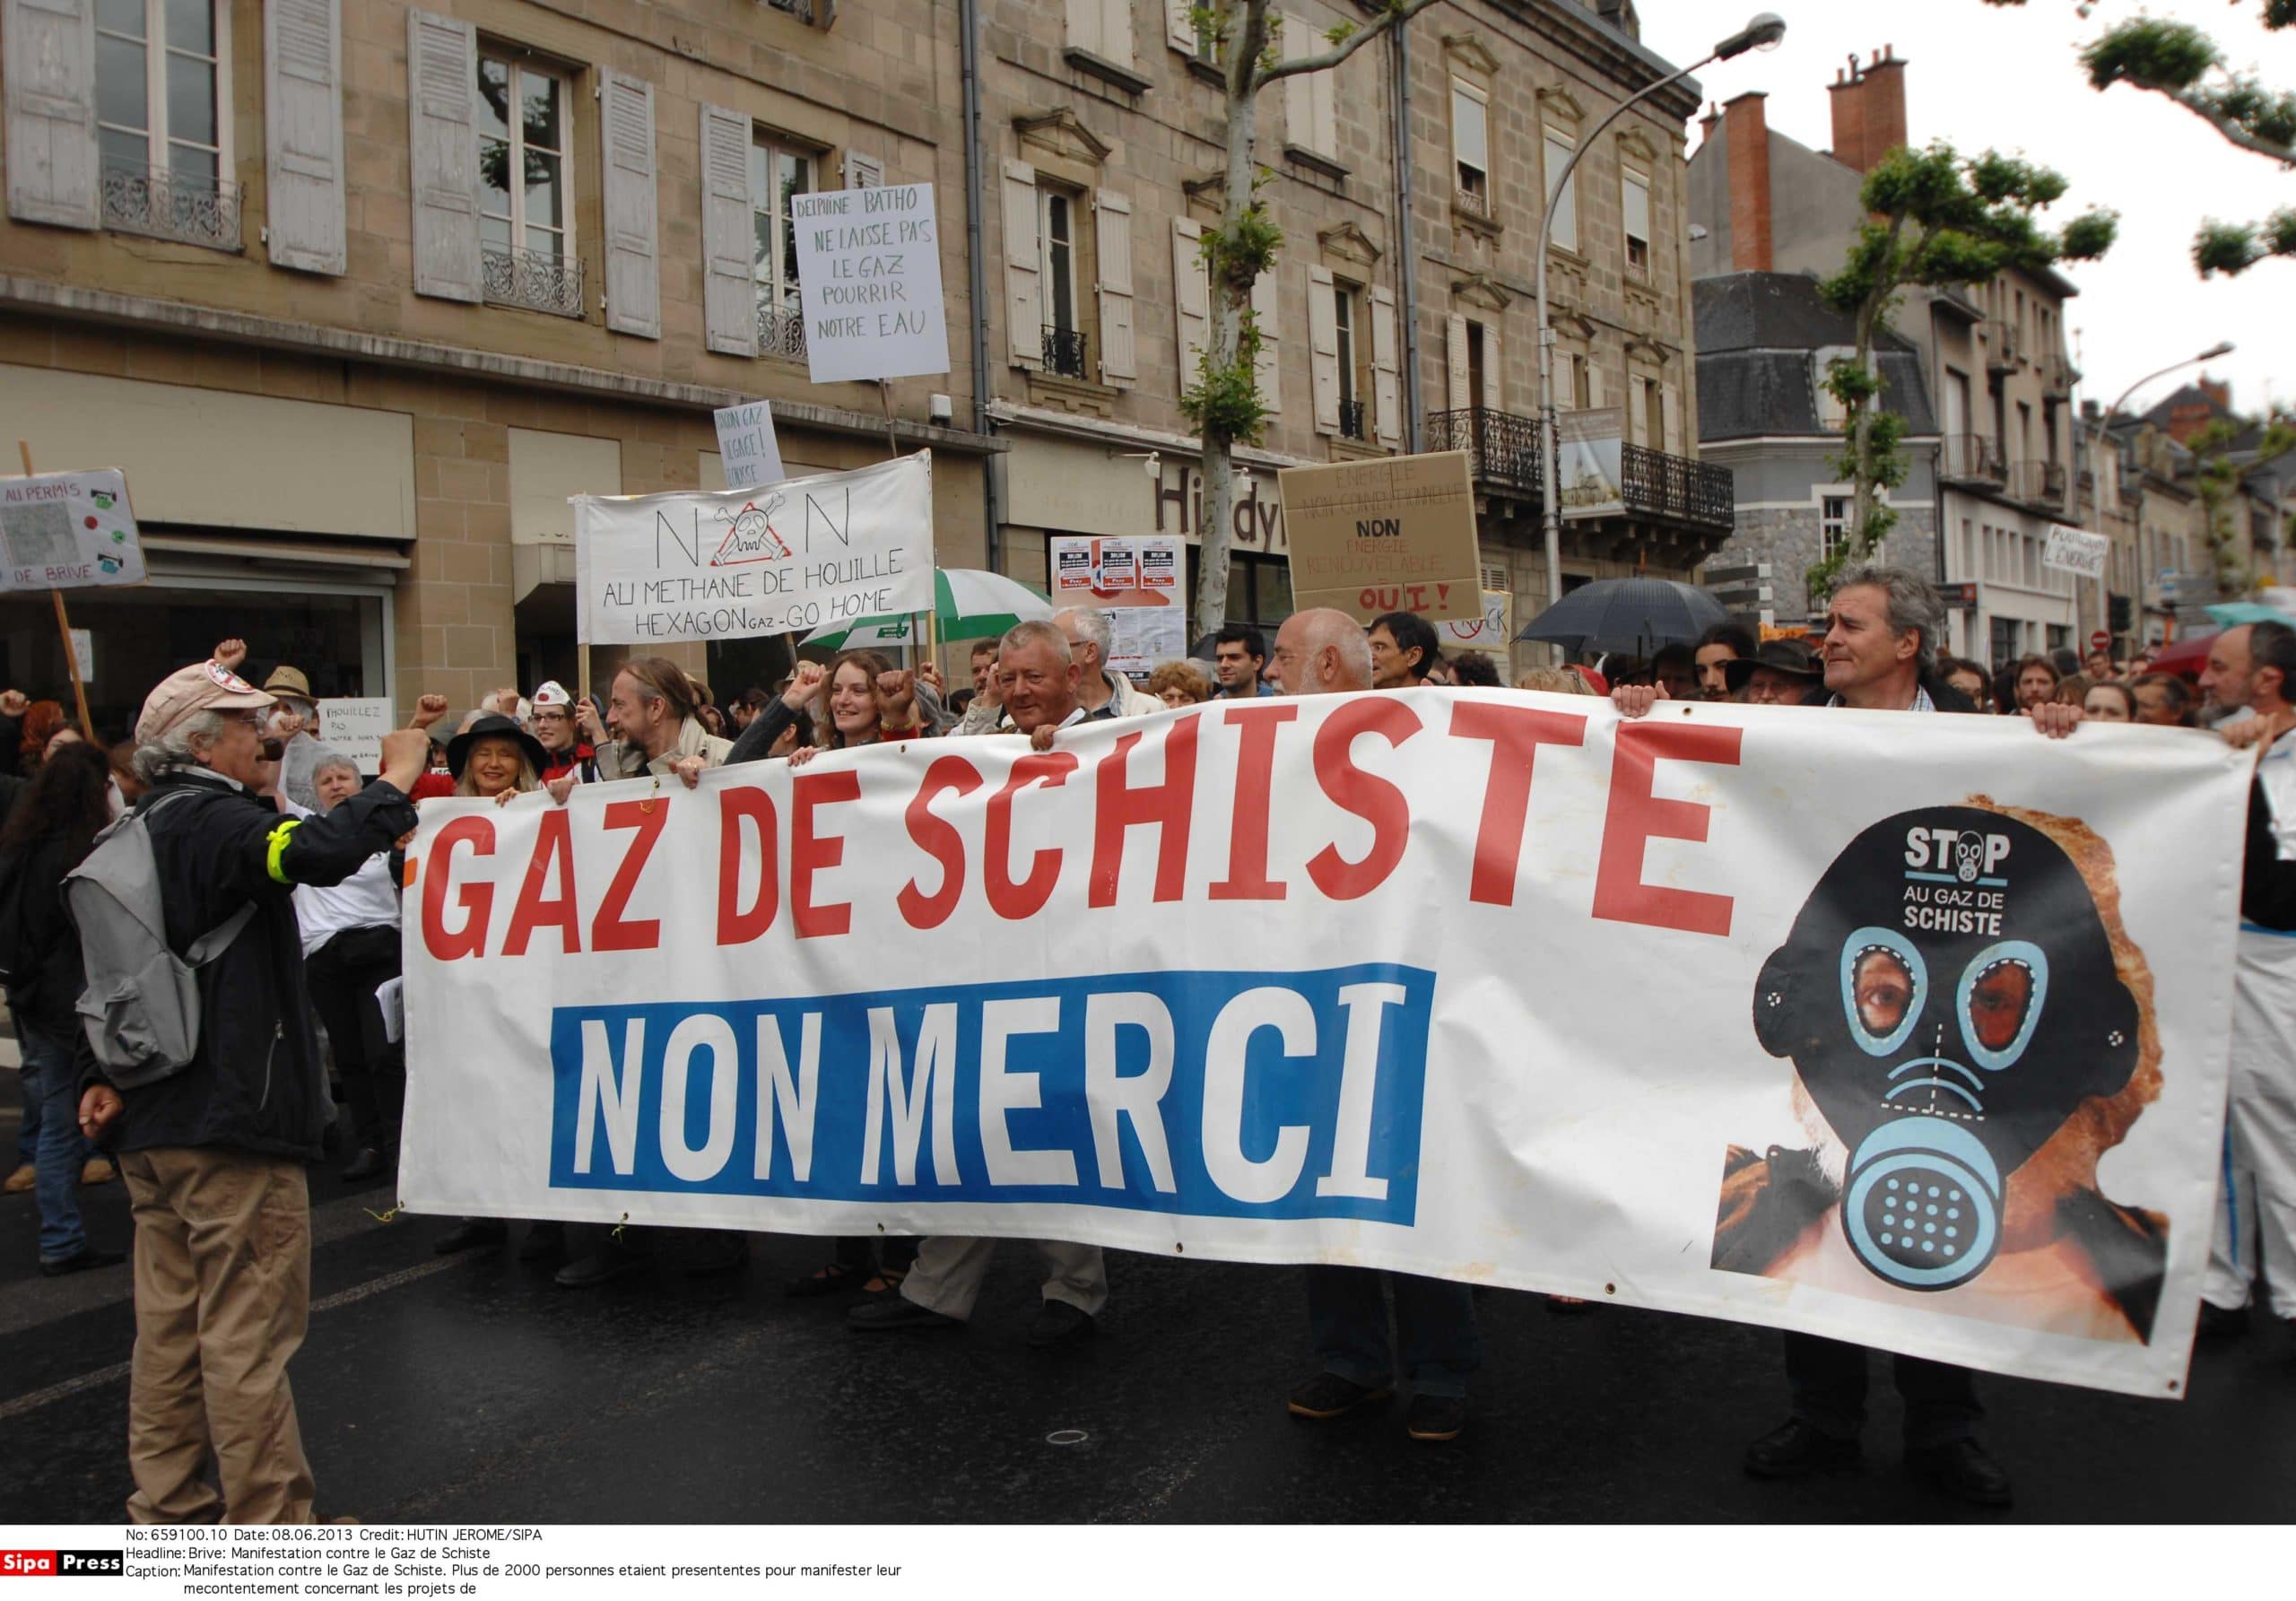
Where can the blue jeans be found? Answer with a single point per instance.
(1347, 1319)
(52, 1082)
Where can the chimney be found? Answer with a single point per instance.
(1745, 131)
(2217, 391)
(1884, 106)
(1868, 108)
(1709, 122)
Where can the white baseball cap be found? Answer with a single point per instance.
(552, 693)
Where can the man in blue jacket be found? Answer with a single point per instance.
(213, 1155)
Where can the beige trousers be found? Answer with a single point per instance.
(948, 1269)
(223, 1290)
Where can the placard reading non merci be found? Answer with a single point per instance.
(869, 268)
(655, 569)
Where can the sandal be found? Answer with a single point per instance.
(835, 1278)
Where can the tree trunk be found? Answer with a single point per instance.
(1866, 473)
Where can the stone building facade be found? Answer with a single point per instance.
(267, 256)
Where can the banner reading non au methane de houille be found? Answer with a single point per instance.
(1903, 1030)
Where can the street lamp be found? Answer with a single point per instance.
(2223, 347)
(1764, 32)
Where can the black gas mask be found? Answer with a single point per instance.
(1949, 997)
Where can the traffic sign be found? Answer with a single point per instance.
(2100, 640)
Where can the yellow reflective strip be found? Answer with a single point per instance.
(280, 836)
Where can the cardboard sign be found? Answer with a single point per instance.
(1592, 447)
(751, 456)
(655, 569)
(355, 727)
(1493, 632)
(1135, 585)
(869, 265)
(68, 531)
(1391, 535)
(2076, 551)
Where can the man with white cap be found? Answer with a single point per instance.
(214, 1154)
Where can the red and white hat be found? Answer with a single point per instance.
(551, 694)
(183, 694)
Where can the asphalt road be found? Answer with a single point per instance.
(471, 1389)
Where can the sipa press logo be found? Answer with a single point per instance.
(62, 1564)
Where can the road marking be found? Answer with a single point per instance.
(120, 1369)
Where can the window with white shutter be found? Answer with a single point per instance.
(1559, 149)
(779, 173)
(445, 156)
(1671, 410)
(633, 220)
(1470, 148)
(1323, 348)
(162, 119)
(1267, 304)
(1191, 298)
(1112, 237)
(1635, 192)
(1101, 28)
(48, 52)
(1458, 385)
(525, 183)
(1023, 287)
(302, 58)
(1310, 100)
(1387, 369)
(1494, 369)
(1638, 408)
(1179, 29)
(863, 172)
(729, 304)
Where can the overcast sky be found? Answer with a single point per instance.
(2011, 78)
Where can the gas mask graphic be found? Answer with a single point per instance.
(1948, 997)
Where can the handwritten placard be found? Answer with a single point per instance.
(68, 531)
(869, 268)
(746, 445)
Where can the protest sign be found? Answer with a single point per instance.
(751, 454)
(1492, 632)
(1134, 583)
(2076, 551)
(1394, 535)
(869, 267)
(653, 569)
(355, 726)
(68, 531)
(1592, 447)
(1446, 982)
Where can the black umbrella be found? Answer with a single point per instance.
(1627, 615)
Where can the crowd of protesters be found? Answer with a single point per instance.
(277, 822)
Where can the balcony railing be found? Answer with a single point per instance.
(537, 280)
(1474, 202)
(803, 10)
(1503, 452)
(1063, 352)
(185, 208)
(1351, 419)
(1972, 456)
(780, 331)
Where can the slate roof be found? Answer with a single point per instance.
(1755, 335)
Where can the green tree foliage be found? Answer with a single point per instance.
(2222, 470)
(2181, 61)
(1936, 220)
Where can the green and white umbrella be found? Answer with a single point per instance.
(967, 604)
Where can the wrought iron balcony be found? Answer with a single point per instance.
(537, 280)
(185, 208)
(1503, 455)
(1351, 419)
(781, 331)
(803, 10)
(1065, 351)
(1472, 201)
(1972, 458)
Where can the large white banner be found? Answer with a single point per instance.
(787, 557)
(1902, 1030)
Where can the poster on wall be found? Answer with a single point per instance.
(1136, 584)
(68, 531)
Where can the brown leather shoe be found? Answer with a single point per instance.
(21, 1181)
(99, 1170)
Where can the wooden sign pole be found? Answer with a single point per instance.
(64, 628)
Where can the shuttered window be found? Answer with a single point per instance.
(1565, 231)
(778, 174)
(525, 159)
(303, 133)
(1635, 198)
(1471, 146)
(162, 73)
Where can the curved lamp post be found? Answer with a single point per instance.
(1762, 33)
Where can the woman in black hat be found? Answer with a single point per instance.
(494, 758)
